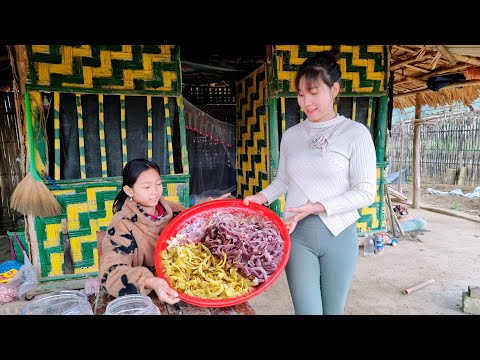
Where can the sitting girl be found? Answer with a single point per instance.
(140, 215)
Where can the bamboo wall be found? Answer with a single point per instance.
(10, 170)
(83, 85)
(443, 145)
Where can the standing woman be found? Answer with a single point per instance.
(328, 170)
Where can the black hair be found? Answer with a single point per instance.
(323, 66)
(130, 174)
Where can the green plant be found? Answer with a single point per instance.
(454, 206)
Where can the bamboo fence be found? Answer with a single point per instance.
(446, 143)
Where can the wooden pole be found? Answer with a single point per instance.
(395, 220)
(418, 286)
(402, 156)
(461, 181)
(416, 153)
(450, 70)
(447, 54)
(467, 59)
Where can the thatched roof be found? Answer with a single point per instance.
(415, 66)
(412, 66)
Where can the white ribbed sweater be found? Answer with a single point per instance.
(343, 180)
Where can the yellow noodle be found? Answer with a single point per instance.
(193, 270)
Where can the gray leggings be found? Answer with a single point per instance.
(321, 267)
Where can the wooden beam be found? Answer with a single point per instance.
(424, 119)
(447, 54)
(399, 64)
(397, 194)
(416, 153)
(450, 70)
(467, 59)
(408, 79)
(459, 84)
(426, 71)
(451, 213)
(434, 62)
(405, 49)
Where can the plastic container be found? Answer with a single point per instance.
(416, 224)
(67, 302)
(133, 304)
(205, 209)
(368, 244)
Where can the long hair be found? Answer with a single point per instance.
(130, 174)
(321, 67)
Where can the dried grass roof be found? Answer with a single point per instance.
(413, 65)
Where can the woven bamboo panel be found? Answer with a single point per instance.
(252, 151)
(88, 209)
(373, 217)
(363, 67)
(131, 68)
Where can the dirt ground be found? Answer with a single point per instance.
(460, 203)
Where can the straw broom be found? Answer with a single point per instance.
(31, 196)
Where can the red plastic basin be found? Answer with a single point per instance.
(204, 210)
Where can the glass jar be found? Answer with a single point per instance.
(133, 304)
(65, 302)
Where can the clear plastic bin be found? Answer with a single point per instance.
(66, 302)
(134, 304)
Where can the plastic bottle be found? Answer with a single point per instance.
(368, 244)
(379, 243)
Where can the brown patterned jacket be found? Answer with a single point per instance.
(128, 248)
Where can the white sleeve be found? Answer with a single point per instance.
(362, 173)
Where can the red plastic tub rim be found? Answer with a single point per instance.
(194, 212)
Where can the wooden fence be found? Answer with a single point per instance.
(446, 143)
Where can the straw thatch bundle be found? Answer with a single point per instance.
(416, 67)
(443, 97)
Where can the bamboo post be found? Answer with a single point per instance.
(389, 218)
(416, 153)
(402, 156)
(392, 213)
(461, 179)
